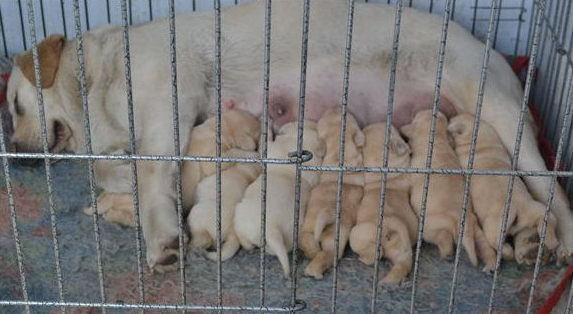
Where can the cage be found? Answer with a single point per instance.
(56, 259)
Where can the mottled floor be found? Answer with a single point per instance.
(241, 274)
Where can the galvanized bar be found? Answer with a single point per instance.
(299, 151)
(45, 146)
(264, 149)
(217, 6)
(519, 24)
(298, 306)
(495, 7)
(150, 10)
(108, 11)
(63, 18)
(435, 107)
(474, 20)
(453, 16)
(193, 5)
(88, 146)
(497, 25)
(532, 17)
(552, 186)
(43, 18)
(132, 150)
(14, 218)
(552, 131)
(4, 44)
(24, 42)
(546, 61)
(177, 148)
(386, 151)
(87, 13)
(342, 144)
(516, 151)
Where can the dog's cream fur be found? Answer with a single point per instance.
(489, 192)
(280, 199)
(317, 238)
(400, 225)
(445, 193)
(242, 72)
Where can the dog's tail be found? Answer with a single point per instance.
(323, 220)
(276, 244)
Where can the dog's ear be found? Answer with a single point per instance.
(49, 51)
(458, 127)
(408, 130)
(398, 145)
(359, 139)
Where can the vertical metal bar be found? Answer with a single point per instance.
(453, 10)
(88, 147)
(43, 18)
(4, 44)
(552, 132)
(495, 6)
(87, 13)
(552, 186)
(150, 10)
(546, 61)
(24, 42)
(435, 107)
(343, 113)
(474, 20)
(177, 147)
(130, 12)
(14, 218)
(193, 5)
(519, 24)
(497, 24)
(217, 5)
(301, 105)
(431, 9)
(517, 148)
(410, 3)
(64, 18)
(532, 17)
(44, 133)
(386, 152)
(132, 150)
(108, 11)
(264, 149)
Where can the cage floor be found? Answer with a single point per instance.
(240, 274)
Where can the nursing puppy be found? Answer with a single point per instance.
(489, 192)
(202, 218)
(318, 230)
(445, 194)
(400, 224)
(280, 189)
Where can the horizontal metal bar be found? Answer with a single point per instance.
(560, 47)
(298, 306)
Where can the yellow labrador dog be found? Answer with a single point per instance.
(242, 74)
(400, 225)
(489, 192)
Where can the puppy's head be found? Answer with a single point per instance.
(23, 101)
(461, 129)
(398, 154)
(421, 125)
(329, 131)
(240, 129)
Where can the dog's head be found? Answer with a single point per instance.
(23, 100)
(398, 149)
(461, 129)
(421, 124)
(329, 131)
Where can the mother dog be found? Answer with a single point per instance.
(242, 73)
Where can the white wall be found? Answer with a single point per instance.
(97, 9)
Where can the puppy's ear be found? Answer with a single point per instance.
(399, 146)
(246, 142)
(458, 127)
(408, 130)
(49, 51)
(359, 139)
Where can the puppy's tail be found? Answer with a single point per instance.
(323, 220)
(276, 244)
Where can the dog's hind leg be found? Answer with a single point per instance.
(201, 239)
(398, 249)
(363, 242)
(276, 244)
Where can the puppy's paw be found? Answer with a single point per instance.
(488, 269)
(314, 269)
(563, 256)
(392, 279)
(169, 262)
(367, 259)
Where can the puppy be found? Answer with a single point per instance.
(202, 218)
(280, 188)
(318, 231)
(489, 192)
(445, 194)
(400, 225)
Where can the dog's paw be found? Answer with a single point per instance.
(313, 271)
(563, 256)
(169, 262)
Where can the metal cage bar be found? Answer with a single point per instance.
(432, 136)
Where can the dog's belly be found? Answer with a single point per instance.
(367, 95)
